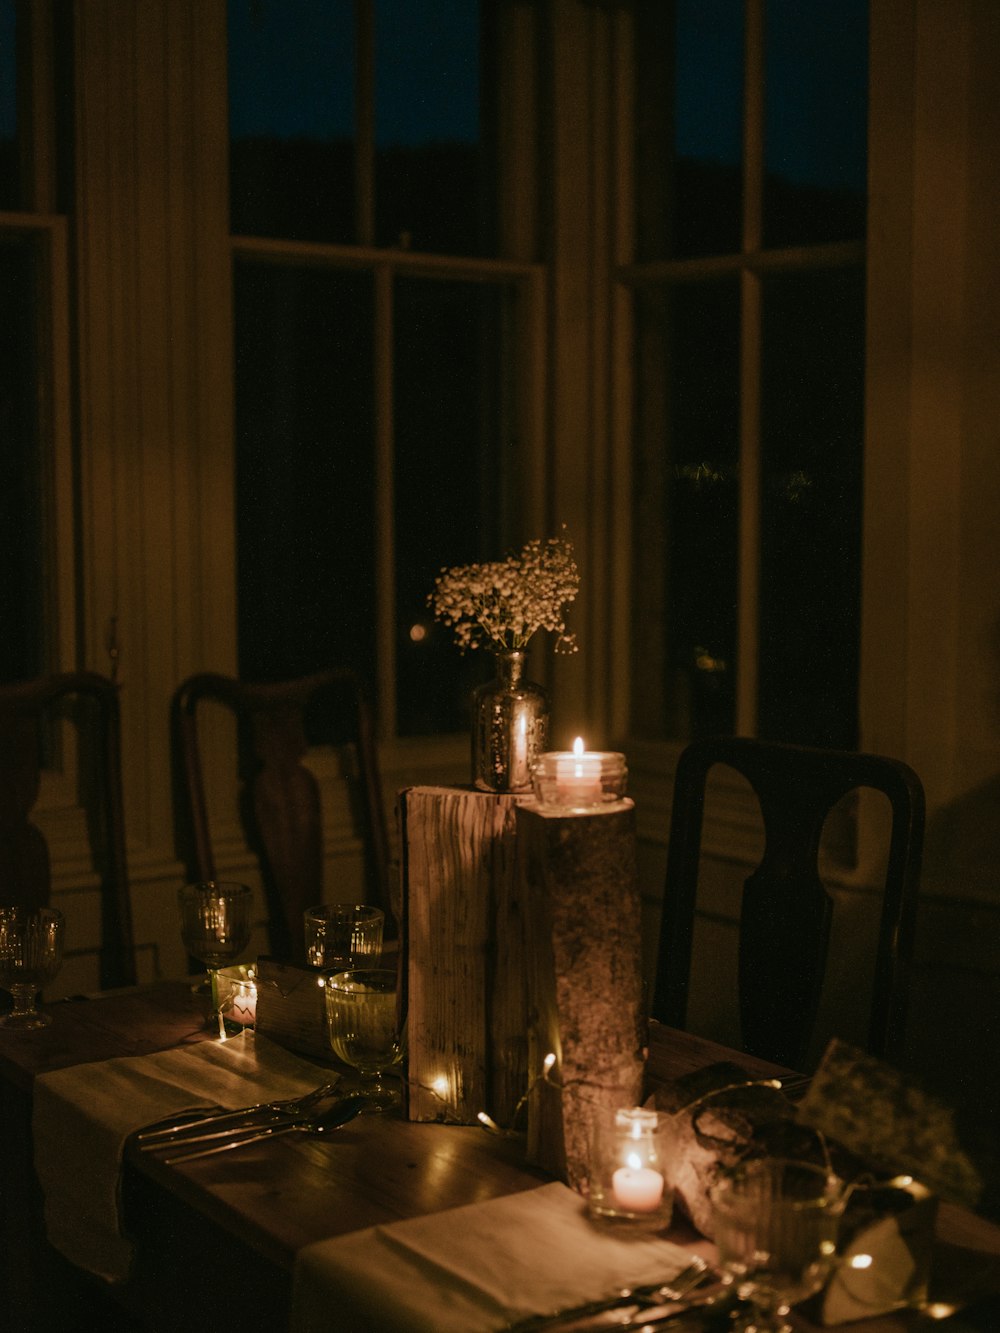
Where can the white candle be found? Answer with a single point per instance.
(637, 1188)
(578, 778)
(245, 1004)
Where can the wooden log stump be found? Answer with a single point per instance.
(463, 954)
(585, 978)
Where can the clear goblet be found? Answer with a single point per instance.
(31, 948)
(215, 924)
(776, 1224)
(343, 935)
(363, 1024)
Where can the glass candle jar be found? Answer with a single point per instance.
(630, 1170)
(579, 781)
(235, 997)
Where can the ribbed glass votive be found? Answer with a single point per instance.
(577, 781)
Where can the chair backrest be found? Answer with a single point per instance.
(30, 715)
(786, 911)
(280, 798)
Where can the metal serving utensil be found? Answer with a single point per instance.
(159, 1135)
(654, 1293)
(339, 1113)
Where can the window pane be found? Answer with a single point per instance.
(21, 586)
(291, 119)
(687, 499)
(816, 99)
(708, 127)
(304, 471)
(429, 171)
(812, 426)
(451, 447)
(9, 192)
(689, 118)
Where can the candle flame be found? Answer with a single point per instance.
(578, 746)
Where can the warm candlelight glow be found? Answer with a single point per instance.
(578, 777)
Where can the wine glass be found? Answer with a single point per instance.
(776, 1223)
(340, 936)
(215, 925)
(31, 949)
(363, 1023)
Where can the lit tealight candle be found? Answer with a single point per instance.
(245, 1004)
(637, 1188)
(578, 778)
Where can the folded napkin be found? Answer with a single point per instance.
(82, 1116)
(473, 1269)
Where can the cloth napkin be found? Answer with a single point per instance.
(472, 1269)
(82, 1116)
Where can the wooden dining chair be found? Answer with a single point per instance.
(786, 912)
(280, 805)
(32, 740)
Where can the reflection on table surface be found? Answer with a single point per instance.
(252, 1219)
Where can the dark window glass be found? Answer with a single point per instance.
(812, 429)
(689, 126)
(816, 99)
(9, 191)
(21, 586)
(693, 333)
(451, 460)
(429, 173)
(304, 471)
(708, 127)
(291, 119)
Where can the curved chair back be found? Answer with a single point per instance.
(30, 714)
(280, 798)
(786, 911)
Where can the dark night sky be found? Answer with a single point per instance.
(292, 76)
(295, 69)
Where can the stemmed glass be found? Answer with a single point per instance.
(776, 1224)
(343, 935)
(363, 1024)
(31, 950)
(215, 924)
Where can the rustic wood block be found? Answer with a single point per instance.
(585, 977)
(462, 933)
(291, 1008)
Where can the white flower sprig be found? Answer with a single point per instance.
(501, 604)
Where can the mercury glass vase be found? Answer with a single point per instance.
(510, 722)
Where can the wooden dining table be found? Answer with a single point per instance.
(216, 1238)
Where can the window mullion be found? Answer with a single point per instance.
(748, 596)
(364, 113)
(385, 502)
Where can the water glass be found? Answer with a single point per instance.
(363, 1024)
(31, 951)
(776, 1223)
(343, 935)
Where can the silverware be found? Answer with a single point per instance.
(325, 1123)
(654, 1293)
(153, 1134)
(717, 1303)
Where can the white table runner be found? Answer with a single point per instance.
(83, 1115)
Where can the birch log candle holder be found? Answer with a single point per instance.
(582, 917)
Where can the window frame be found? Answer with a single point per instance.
(751, 266)
(529, 339)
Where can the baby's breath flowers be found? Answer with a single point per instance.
(501, 604)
